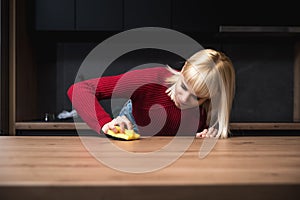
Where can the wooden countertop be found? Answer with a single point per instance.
(84, 126)
(48, 167)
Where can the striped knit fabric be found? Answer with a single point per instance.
(155, 113)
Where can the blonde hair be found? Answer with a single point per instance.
(209, 74)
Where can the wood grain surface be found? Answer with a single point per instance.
(50, 166)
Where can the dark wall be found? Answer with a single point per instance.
(264, 79)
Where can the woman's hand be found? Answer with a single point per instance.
(211, 132)
(121, 121)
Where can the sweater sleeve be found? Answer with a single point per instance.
(84, 100)
(85, 95)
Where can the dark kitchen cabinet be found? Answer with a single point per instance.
(55, 15)
(181, 15)
(80, 15)
(195, 15)
(248, 13)
(153, 13)
(99, 15)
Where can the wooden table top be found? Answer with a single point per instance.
(58, 161)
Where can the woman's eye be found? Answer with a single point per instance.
(183, 87)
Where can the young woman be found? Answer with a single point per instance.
(163, 101)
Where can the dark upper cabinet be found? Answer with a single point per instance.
(85, 15)
(142, 13)
(249, 13)
(195, 15)
(181, 15)
(99, 15)
(54, 14)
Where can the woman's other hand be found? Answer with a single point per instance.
(211, 132)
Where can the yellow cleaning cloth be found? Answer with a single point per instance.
(127, 135)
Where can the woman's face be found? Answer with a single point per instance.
(184, 97)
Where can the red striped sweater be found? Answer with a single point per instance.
(154, 111)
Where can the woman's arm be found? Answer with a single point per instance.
(85, 95)
(85, 99)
